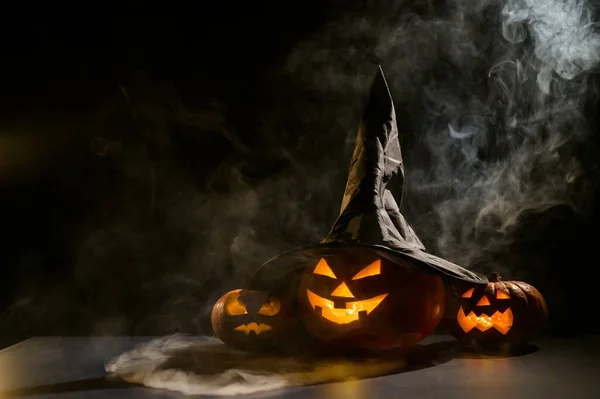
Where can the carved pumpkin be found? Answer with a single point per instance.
(354, 299)
(251, 320)
(500, 312)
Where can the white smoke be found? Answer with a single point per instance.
(564, 35)
(493, 92)
(556, 43)
(204, 366)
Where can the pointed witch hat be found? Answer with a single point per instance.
(369, 217)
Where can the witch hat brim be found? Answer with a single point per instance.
(369, 216)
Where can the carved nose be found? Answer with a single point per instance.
(342, 291)
(484, 301)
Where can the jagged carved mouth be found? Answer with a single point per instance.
(256, 328)
(501, 321)
(350, 314)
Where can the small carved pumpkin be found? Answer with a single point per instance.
(354, 299)
(500, 312)
(252, 320)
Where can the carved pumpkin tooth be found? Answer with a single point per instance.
(337, 304)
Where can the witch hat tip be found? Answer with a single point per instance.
(380, 97)
(379, 79)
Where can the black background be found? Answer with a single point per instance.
(59, 70)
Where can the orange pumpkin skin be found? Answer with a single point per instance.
(411, 308)
(502, 312)
(253, 320)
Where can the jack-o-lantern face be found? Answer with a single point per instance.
(484, 315)
(236, 306)
(250, 319)
(353, 298)
(349, 309)
(501, 311)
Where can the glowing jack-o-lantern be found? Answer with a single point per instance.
(251, 319)
(501, 311)
(354, 299)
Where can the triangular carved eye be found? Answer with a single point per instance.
(469, 293)
(502, 295)
(323, 269)
(374, 269)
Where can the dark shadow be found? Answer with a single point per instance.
(430, 355)
(91, 384)
(470, 351)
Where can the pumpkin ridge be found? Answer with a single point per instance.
(521, 293)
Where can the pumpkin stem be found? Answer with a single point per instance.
(494, 277)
